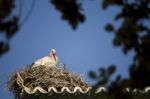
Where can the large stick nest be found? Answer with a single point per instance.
(57, 77)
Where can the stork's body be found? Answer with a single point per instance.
(48, 61)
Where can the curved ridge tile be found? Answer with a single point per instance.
(100, 89)
(79, 89)
(147, 89)
(29, 91)
(50, 89)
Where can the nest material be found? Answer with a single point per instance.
(57, 77)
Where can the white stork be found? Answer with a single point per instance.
(48, 61)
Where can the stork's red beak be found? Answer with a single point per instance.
(54, 55)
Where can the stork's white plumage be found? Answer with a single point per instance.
(48, 61)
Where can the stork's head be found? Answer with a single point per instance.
(54, 56)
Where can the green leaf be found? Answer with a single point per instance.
(92, 75)
(117, 41)
(102, 72)
(111, 69)
(106, 3)
(109, 28)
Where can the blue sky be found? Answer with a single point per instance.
(87, 48)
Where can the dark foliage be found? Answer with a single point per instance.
(70, 10)
(133, 34)
(8, 26)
